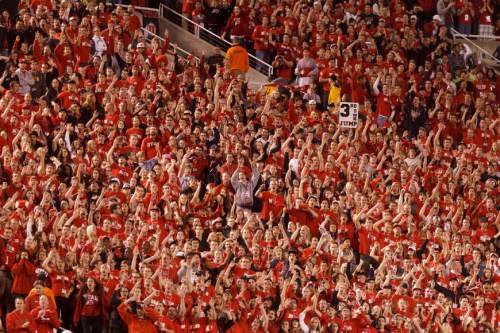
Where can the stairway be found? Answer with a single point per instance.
(196, 46)
(483, 49)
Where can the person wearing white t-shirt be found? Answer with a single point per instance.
(99, 44)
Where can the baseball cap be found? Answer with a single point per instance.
(437, 18)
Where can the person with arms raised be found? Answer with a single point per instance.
(137, 317)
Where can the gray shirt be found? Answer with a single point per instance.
(444, 10)
(25, 81)
(244, 189)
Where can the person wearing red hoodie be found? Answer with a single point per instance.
(137, 317)
(24, 275)
(90, 307)
(43, 318)
(19, 320)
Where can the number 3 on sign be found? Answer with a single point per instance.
(348, 115)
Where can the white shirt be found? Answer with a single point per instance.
(99, 45)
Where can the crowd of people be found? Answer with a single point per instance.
(145, 192)
(245, 19)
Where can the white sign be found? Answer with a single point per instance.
(348, 115)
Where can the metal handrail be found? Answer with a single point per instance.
(485, 37)
(183, 53)
(213, 38)
(135, 7)
(455, 33)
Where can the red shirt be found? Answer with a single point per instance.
(15, 321)
(91, 305)
(44, 321)
(68, 98)
(61, 283)
(352, 326)
(465, 17)
(260, 37)
(139, 325)
(272, 203)
(83, 49)
(485, 18)
(383, 105)
(148, 147)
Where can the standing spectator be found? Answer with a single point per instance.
(39, 289)
(198, 13)
(282, 70)
(244, 187)
(39, 87)
(236, 25)
(116, 324)
(486, 19)
(19, 320)
(456, 59)
(99, 46)
(415, 115)
(187, 9)
(326, 78)
(89, 310)
(445, 9)
(390, 226)
(24, 276)
(384, 111)
(216, 16)
(25, 77)
(137, 318)
(61, 286)
(238, 58)
(43, 317)
(466, 16)
(306, 70)
(260, 37)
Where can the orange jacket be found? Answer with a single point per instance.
(32, 301)
(139, 325)
(238, 58)
(16, 320)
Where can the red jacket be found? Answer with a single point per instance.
(136, 325)
(44, 321)
(15, 321)
(24, 276)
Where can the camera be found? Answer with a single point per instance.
(135, 306)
